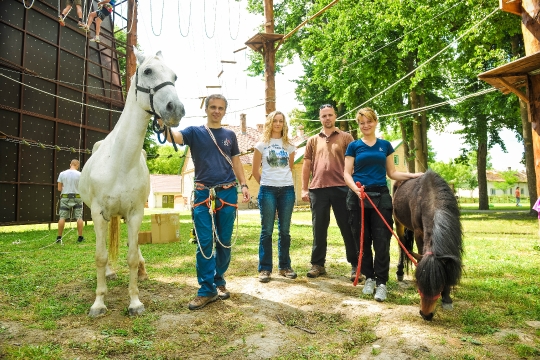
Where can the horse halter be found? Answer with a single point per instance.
(151, 92)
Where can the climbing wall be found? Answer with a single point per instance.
(47, 116)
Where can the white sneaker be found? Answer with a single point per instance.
(369, 287)
(380, 294)
(96, 39)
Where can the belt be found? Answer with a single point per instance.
(218, 188)
(376, 188)
(71, 196)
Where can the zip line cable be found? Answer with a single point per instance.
(161, 22)
(423, 64)
(189, 20)
(204, 17)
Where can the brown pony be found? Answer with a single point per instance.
(427, 206)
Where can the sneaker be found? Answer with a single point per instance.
(85, 28)
(96, 39)
(80, 239)
(201, 301)
(58, 239)
(369, 287)
(315, 271)
(81, 25)
(264, 276)
(288, 273)
(380, 294)
(222, 292)
(61, 20)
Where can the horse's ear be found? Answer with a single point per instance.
(139, 55)
(159, 55)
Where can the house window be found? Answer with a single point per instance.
(396, 159)
(492, 191)
(167, 201)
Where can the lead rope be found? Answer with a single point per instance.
(363, 196)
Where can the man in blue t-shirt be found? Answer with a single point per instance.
(215, 155)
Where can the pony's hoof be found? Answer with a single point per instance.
(135, 311)
(143, 277)
(400, 278)
(447, 306)
(111, 276)
(96, 312)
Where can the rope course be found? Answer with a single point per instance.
(238, 29)
(189, 20)
(28, 7)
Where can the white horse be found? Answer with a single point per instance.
(115, 180)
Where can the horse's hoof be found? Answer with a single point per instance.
(111, 276)
(136, 310)
(143, 277)
(96, 312)
(400, 278)
(447, 306)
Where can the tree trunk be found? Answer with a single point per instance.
(529, 154)
(483, 203)
(406, 149)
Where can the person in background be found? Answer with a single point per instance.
(518, 196)
(324, 159)
(216, 158)
(368, 160)
(70, 200)
(276, 193)
(105, 8)
(69, 5)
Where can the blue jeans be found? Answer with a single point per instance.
(210, 271)
(272, 198)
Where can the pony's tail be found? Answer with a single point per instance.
(408, 242)
(114, 237)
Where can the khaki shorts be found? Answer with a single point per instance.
(73, 2)
(66, 205)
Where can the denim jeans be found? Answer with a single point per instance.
(321, 200)
(272, 198)
(210, 272)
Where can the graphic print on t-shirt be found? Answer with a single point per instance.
(277, 156)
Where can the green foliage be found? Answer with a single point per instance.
(460, 175)
(510, 178)
(167, 161)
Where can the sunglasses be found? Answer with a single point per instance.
(326, 106)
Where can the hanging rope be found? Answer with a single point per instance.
(161, 22)
(237, 30)
(189, 19)
(215, 13)
(32, 4)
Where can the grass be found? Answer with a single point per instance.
(48, 289)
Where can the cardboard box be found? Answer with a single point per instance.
(165, 228)
(145, 237)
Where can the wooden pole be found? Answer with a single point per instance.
(131, 61)
(530, 27)
(269, 59)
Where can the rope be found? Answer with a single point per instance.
(161, 22)
(32, 4)
(423, 64)
(131, 18)
(215, 14)
(237, 30)
(189, 20)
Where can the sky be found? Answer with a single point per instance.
(194, 36)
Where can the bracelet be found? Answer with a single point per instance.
(244, 186)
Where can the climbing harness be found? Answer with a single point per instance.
(210, 202)
(363, 195)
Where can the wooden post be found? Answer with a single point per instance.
(131, 61)
(530, 27)
(269, 59)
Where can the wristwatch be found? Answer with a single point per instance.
(244, 186)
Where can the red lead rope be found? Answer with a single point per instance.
(363, 196)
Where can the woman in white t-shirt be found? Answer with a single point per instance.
(276, 193)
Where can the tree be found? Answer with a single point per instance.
(167, 160)
(510, 178)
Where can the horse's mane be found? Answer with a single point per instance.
(444, 264)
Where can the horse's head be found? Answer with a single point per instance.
(155, 91)
(430, 279)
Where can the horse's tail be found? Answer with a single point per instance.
(114, 237)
